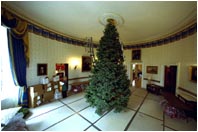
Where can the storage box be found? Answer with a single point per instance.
(36, 101)
(44, 80)
(57, 94)
(48, 87)
(56, 85)
(36, 89)
(56, 78)
(35, 95)
(48, 96)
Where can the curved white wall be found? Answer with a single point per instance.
(182, 53)
(45, 50)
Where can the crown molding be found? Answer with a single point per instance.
(38, 28)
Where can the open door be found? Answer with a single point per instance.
(170, 79)
(62, 71)
(137, 75)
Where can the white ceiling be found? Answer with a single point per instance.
(143, 21)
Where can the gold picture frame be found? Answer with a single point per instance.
(152, 69)
(86, 63)
(136, 55)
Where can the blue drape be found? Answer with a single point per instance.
(17, 60)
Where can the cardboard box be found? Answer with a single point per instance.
(37, 101)
(35, 95)
(37, 89)
(48, 87)
(44, 80)
(56, 78)
(48, 96)
(56, 85)
(57, 94)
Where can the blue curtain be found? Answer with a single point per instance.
(18, 62)
(17, 59)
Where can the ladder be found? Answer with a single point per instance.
(89, 48)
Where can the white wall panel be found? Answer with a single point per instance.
(182, 53)
(44, 50)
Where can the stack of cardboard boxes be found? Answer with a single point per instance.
(57, 90)
(36, 95)
(42, 93)
(48, 92)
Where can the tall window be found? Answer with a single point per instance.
(9, 91)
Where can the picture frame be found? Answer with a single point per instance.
(193, 73)
(86, 63)
(60, 67)
(152, 69)
(136, 55)
(41, 69)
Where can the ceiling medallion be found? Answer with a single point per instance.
(117, 19)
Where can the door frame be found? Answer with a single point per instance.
(177, 75)
(131, 72)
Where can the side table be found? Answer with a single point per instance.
(155, 89)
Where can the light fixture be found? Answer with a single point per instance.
(75, 67)
(111, 17)
(75, 63)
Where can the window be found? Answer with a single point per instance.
(9, 91)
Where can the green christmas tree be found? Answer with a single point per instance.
(109, 84)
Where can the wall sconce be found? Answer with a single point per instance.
(75, 67)
(75, 63)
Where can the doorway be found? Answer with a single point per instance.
(136, 75)
(170, 79)
(62, 70)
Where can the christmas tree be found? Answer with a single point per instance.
(109, 84)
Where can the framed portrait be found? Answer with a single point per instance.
(41, 69)
(152, 69)
(86, 63)
(136, 54)
(193, 73)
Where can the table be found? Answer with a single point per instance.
(154, 88)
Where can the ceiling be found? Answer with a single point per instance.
(142, 21)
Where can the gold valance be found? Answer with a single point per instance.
(19, 30)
